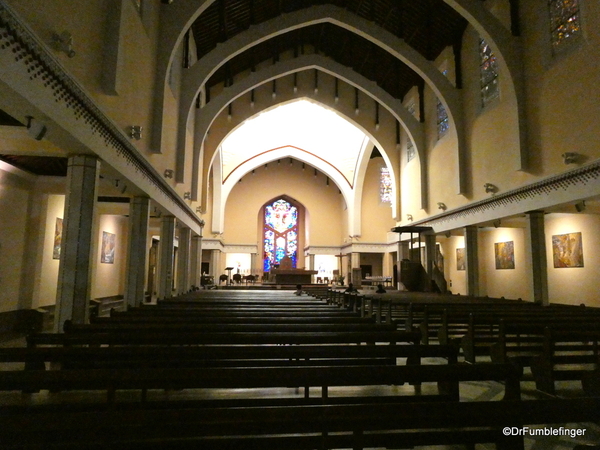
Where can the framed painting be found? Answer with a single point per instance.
(57, 238)
(505, 255)
(567, 250)
(107, 255)
(460, 259)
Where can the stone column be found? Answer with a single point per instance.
(430, 249)
(215, 265)
(472, 260)
(354, 276)
(137, 254)
(311, 266)
(75, 267)
(196, 261)
(183, 260)
(254, 270)
(165, 257)
(403, 253)
(536, 235)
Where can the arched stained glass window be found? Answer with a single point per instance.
(280, 233)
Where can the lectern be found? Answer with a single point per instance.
(228, 270)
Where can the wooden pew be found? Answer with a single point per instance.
(566, 355)
(220, 338)
(191, 327)
(182, 317)
(320, 426)
(223, 356)
(515, 337)
(448, 377)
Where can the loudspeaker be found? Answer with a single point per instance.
(35, 129)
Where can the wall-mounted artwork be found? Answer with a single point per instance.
(505, 255)
(57, 238)
(567, 250)
(107, 255)
(460, 259)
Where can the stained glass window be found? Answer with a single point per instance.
(442, 115)
(564, 20)
(488, 70)
(410, 150)
(280, 233)
(442, 119)
(385, 186)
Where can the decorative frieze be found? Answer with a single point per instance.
(567, 186)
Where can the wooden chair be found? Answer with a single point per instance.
(237, 278)
(223, 278)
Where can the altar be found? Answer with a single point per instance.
(293, 276)
(286, 274)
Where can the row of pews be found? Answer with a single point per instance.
(555, 342)
(226, 369)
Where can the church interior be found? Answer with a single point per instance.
(218, 151)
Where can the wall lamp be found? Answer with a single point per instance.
(409, 217)
(63, 42)
(580, 206)
(490, 188)
(570, 157)
(442, 206)
(187, 195)
(168, 173)
(135, 132)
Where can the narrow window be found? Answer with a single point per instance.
(488, 70)
(564, 21)
(442, 119)
(385, 186)
(410, 150)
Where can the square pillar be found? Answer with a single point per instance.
(165, 257)
(538, 254)
(196, 261)
(75, 267)
(183, 260)
(472, 260)
(137, 254)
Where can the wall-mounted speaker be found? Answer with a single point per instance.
(36, 129)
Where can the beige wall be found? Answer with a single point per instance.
(376, 216)
(109, 279)
(46, 294)
(509, 283)
(575, 285)
(15, 194)
(455, 278)
(323, 204)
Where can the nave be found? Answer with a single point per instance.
(268, 369)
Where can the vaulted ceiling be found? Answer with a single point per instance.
(428, 26)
